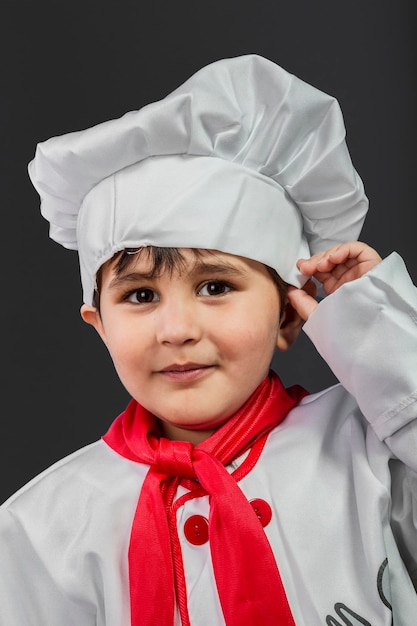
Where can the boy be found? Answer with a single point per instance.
(203, 224)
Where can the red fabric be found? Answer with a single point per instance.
(247, 576)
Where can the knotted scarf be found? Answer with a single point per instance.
(249, 595)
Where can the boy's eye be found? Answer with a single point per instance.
(143, 296)
(214, 288)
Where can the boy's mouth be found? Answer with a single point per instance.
(185, 371)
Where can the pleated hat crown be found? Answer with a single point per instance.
(243, 157)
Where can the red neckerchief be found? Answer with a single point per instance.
(246, 573)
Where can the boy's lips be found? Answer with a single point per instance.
(185, 371)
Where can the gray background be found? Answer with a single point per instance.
(69, 65)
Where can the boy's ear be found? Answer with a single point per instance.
(91, 316)
(290, 327)
(292, 322)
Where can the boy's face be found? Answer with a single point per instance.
(192, 345)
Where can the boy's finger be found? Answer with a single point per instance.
(302, 302)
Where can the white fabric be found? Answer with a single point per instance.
(198, 200)
(285, 139)
(328, 471)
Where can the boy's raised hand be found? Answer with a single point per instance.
(332, 268)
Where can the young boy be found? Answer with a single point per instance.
(204, 224)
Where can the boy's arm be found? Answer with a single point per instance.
(366, 330)
(30, 592)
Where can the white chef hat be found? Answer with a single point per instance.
(244, 158)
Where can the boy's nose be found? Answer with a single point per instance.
(177, 323)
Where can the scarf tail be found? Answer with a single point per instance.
(247, 576)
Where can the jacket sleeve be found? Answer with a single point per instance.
(30, 591)
(367, 333)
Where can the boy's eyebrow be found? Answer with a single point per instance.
(131, 277)
(200, 267)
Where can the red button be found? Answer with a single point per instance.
(196, 530)
(262, 510)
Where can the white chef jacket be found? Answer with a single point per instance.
(339, 473)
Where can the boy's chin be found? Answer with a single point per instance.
(195, 431)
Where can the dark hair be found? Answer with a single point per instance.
(167, 260)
